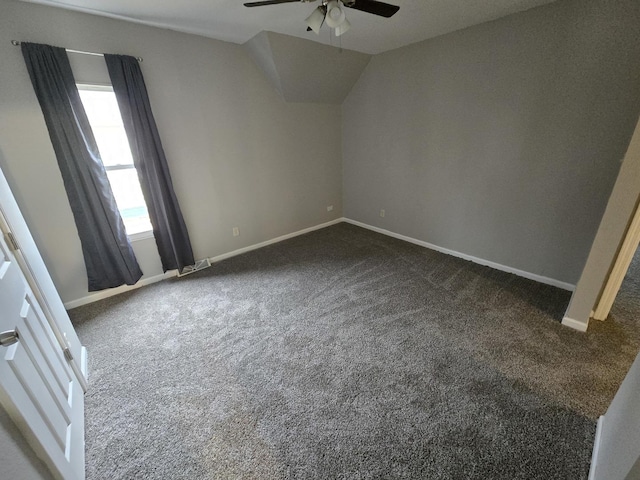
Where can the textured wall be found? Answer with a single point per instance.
(17, 458)
(239, 155)
(501, 141)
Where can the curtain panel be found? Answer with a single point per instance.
(169, 228)
(107, 252)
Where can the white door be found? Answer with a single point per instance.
(38, 385)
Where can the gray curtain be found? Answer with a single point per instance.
(169, 228)
(108, 256)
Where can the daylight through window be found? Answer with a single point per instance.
(104, 116)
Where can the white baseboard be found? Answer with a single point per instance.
(575, 324)
(596, 448)
(146, 281)
(94, 297)
(481, 261)
(240, 251)
(172, 273)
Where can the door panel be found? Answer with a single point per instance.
(26, 373)
(49, 352)
(5, 261)
(40, 281)
(38, 385)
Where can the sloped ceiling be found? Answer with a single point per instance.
(305, 71)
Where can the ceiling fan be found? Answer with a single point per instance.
(332, 13)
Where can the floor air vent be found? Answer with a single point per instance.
(199, 265)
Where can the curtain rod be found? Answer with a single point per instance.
(82, 52)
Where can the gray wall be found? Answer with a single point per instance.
(501, 141)
(17, 459)
(619, 453)
(239, 155)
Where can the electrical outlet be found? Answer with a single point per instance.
(236, 231)
(329, 208)
(382, 212)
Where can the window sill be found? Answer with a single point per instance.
(134, 237)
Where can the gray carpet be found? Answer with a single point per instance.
(344, 354)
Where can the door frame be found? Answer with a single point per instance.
(625, 255)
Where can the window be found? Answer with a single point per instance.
(104, 116)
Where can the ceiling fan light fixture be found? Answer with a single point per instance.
(316, 19)
(342, 28)
(335, 14)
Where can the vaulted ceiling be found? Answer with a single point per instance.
(304, 71)
(229, 20)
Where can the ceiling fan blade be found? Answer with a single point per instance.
(268, 2)
(372, 6)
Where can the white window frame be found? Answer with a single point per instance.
(101, 87)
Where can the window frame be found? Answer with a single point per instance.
(102, 87)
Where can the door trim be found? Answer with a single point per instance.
(623, 260)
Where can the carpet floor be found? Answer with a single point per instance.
(345, 354)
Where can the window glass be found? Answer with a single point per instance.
(104, 116)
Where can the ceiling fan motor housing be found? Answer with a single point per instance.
(335, 14)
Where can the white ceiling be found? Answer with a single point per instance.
(229, 20)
